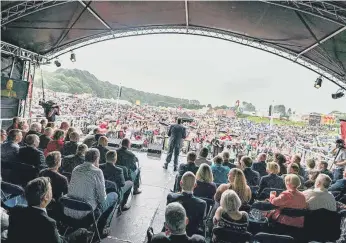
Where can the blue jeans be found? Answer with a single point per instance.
(338, 173)
(18, 200)
(107, 210)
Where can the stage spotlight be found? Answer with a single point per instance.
(73, 57)
(318, 83)
(338, 94)
(57, 63)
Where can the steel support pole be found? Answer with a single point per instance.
(12, 67)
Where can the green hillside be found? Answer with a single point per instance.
(80, 81)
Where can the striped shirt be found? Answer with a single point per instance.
(234, 225)
(87, 184)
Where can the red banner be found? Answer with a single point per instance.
(343, 129)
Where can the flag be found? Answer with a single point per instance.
(343, 129)
(120, 90)
(237, 103)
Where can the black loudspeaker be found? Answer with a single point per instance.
(154, 150)
(114, 143)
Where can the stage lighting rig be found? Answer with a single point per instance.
(318, 83)
(73, 57)
(339, 94)
(57, 63)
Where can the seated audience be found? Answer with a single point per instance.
(10, 149)
(115, 174)
(72, 161)
(202, 157)
(30, 155)
(228, 215)
(90, 139)
(296, 159)
(88, 184)
(51, 125)
(280, 159)
(205, 186)
(291, 198)
(70, 147)
(15, 124)
(64, 126)
(129, 160)
(189, 165)
(312, 176)
(43, 123)
(195, 207)
(220, 172)
(102, 148)
(226, 160)
(59, 182)
(339, 185)
(252, 177)
(4, 223)
(57, 143)
(35, 128)
(32, 224)
(24, 128)
(45, 138)
(68, 133)
(294, 169)
(237, 183)
(323, 167)
(3, 136)
(272, 180)
(260, 166)
(175, 227)
(319, 197)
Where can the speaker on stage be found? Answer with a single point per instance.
(154, 150)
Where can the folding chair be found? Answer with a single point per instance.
(266, 193)
(85, 222)
(11, 195)
(272, 238)
(224, 235)
(21, 173)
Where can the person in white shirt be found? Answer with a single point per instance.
(319, 197)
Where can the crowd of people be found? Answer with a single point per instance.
(230, 164)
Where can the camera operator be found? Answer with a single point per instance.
(340, 159)
(51, 109)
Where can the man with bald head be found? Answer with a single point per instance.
(30, 154)
(260, 166)
(195, 207)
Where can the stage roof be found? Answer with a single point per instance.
(311, 33)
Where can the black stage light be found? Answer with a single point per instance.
(338, 95)
(57, 63)
(73, 57)
(318, 83)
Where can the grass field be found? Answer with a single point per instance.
(279, 122)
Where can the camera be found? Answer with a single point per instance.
(47, 105)
(340, 143)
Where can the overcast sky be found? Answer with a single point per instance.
(209, 70)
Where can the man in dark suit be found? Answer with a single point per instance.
(129, 160)
(195, 207)
(15, 124)
(252, 177)
(90, 140)
(30, 154)
(10, 149)
(70, 147)
(339, 185)
(35, 128)
(45, 138)
(71, 161)
(226, 160)
(323, 167)
(175, 227)
(32, 224)
(260, 166)
(115, 174)
(188, 166)
(177, 133)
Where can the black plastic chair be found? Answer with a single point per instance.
(266, 193)
(224, 235)
(272, 238)
(85, 222)
(21, 173)
(208, 218)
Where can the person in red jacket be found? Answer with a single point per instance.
(57, 143)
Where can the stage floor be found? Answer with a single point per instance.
(148, 207)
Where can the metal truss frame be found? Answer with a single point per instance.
(25, 8)
(24, 54)
(322, 9)
(207, 32)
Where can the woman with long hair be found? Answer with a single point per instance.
(205, 186)
(281, 160)
(237, 183)
(57, 143)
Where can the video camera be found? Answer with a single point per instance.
(340, 143)
(47, 105)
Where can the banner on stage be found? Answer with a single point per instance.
(343, 129)
(13, 88)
